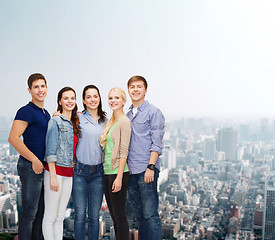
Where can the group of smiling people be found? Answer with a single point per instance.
(87, 155)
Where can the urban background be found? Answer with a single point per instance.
(217, 181)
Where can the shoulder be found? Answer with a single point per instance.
(153, 110)
(125, 120)
(55, 120)
(125, 123)
(25, 109)
(80, 115)
(25, 113)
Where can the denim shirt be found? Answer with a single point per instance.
(59, 142)
(147, 135)
(88, 150)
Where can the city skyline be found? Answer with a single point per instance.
(201, 58)
(211, 184)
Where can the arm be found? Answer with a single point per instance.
(17, 129)
(51, 151)
(117, 184)
(54, 186)
(157, 123)
(125, 135)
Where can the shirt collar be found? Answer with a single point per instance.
(31, 104)
(141, 107)
(89, 116)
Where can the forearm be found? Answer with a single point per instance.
(52, 169)
(121, 167)
(153, 157)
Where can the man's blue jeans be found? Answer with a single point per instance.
(87, 191)
(30, 220)
(144, 200)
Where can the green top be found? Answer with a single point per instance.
(107, 165)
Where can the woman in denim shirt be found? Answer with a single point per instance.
(61, 140)
(88, 171)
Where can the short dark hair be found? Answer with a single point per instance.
(137, 78)
(34, 77)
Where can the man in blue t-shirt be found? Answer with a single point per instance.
(31, 122)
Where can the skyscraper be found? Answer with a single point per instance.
(269, 211)
(227, 143)
(264, 132)
(208, 150)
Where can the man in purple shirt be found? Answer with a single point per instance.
(31, 122)
(143, 159)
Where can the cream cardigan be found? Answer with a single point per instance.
(121, 138)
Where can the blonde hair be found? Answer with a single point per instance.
(109, 124)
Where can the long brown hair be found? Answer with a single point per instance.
(102, 114)
(74, 117)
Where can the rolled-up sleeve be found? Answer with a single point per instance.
(125, 136)
(51, 141)
(157, 124)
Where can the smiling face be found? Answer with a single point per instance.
(116, 100)
(68, 101)
(91, 99)
(137, 92)
(38, 91)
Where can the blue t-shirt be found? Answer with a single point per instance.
(35, 134)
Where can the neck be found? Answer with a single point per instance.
(118, 114)
(67, 114)
(37, 103)
(93, 113)
(138, 103)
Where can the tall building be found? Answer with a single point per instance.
(269, 211)
(227, 143)
(244, 131)
(264, 132)
(209, 147)
(169, 157)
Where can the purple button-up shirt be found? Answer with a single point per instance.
(147, 134)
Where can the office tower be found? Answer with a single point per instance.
(244, 131)
(264, 133)
(208, 151)
(269, 211)
(227, 143)
(169, 157)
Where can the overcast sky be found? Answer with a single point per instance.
(201, 58)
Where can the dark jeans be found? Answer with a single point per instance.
(117, 205)
(144, 200)
(87, 192)
(30, 220)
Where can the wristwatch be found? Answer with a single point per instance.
(151, 166)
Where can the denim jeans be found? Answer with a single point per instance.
(87, 192)
(117, 205)
(144, 200)
(30, 220)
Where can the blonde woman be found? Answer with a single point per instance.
(115, 142)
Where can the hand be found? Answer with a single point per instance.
(37, 167)
(149, 175)
(54, 186)
(117, 184)
(57, 113)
